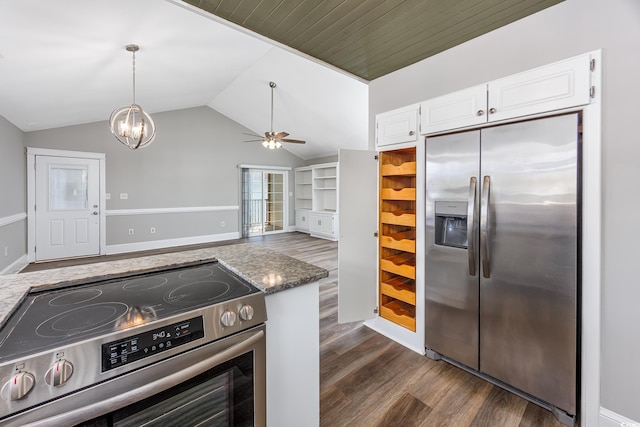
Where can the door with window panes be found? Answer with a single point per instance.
(266, 202)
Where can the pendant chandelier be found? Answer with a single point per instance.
(131, 125)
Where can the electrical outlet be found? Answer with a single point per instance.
(222, 224)
(107, 196)
(124, 196)
(152, 230)
(130, 231)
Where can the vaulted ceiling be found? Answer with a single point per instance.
(63, 62)
(371, 38)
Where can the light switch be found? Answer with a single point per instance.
(124, 196)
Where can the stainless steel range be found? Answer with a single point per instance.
(182, 345)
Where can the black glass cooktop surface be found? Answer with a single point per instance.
(52, 318)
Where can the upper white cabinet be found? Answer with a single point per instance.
(463, 108)
(397, 126)
(552, 87)
(556, 86)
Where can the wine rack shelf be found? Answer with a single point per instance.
(397, 237)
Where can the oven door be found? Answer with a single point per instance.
(219, 384)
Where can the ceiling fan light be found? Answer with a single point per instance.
(278, 144)
(265, 143)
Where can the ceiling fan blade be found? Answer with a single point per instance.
(252, 134)
(280, 135)
(295, 141)
(254, 140)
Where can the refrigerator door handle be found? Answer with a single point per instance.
(471, 222)
(484, 225)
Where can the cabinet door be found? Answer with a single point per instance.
(397, 126)
(455, 110)
(358, 250)
(302, 219)
(563, 84)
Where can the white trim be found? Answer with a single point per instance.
(591, 253)
(12, 218)
(154, 211)
(168, 243)
(64, 153)
(277, 168)
(31, 193)
(611, 419)
(16, 266)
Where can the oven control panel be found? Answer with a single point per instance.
(137, 347)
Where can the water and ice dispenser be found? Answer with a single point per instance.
(451, 224)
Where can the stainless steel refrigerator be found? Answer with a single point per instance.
(502, 254)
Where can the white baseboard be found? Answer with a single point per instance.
(169, 243)
(15, 266)
(611, 419)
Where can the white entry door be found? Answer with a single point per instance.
(67, 208)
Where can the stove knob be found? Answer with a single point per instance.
(59, 373)
(228, 318)
(18, 386)
(246, 312)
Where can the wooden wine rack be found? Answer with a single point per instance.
(397, 237)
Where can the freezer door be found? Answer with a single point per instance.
(451, 279)
(528, 311)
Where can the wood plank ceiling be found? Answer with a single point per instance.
(371, 38)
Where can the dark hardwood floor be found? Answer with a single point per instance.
(369, 380)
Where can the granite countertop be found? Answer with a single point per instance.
(266, 269)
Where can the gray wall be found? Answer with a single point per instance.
(192, 163)
(567, 29)
(318, 160)
(13, 184)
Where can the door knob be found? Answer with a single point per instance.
(95, 213)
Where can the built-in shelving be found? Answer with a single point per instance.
(317, 200)
(325, 188)
(397, 237)
(304, 193)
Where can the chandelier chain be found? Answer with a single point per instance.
(134, 76)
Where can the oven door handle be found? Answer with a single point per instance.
(128, 397)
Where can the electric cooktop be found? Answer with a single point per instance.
(53, 318)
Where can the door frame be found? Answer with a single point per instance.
(285, 198)
(31, 193)
(287, 195)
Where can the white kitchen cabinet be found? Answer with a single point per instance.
(323, 224)
(302, 220)
(397, 126)
(359, 295)
(466, 107)
(563, 84)
(552, 87)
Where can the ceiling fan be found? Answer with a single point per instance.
(273, 139)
